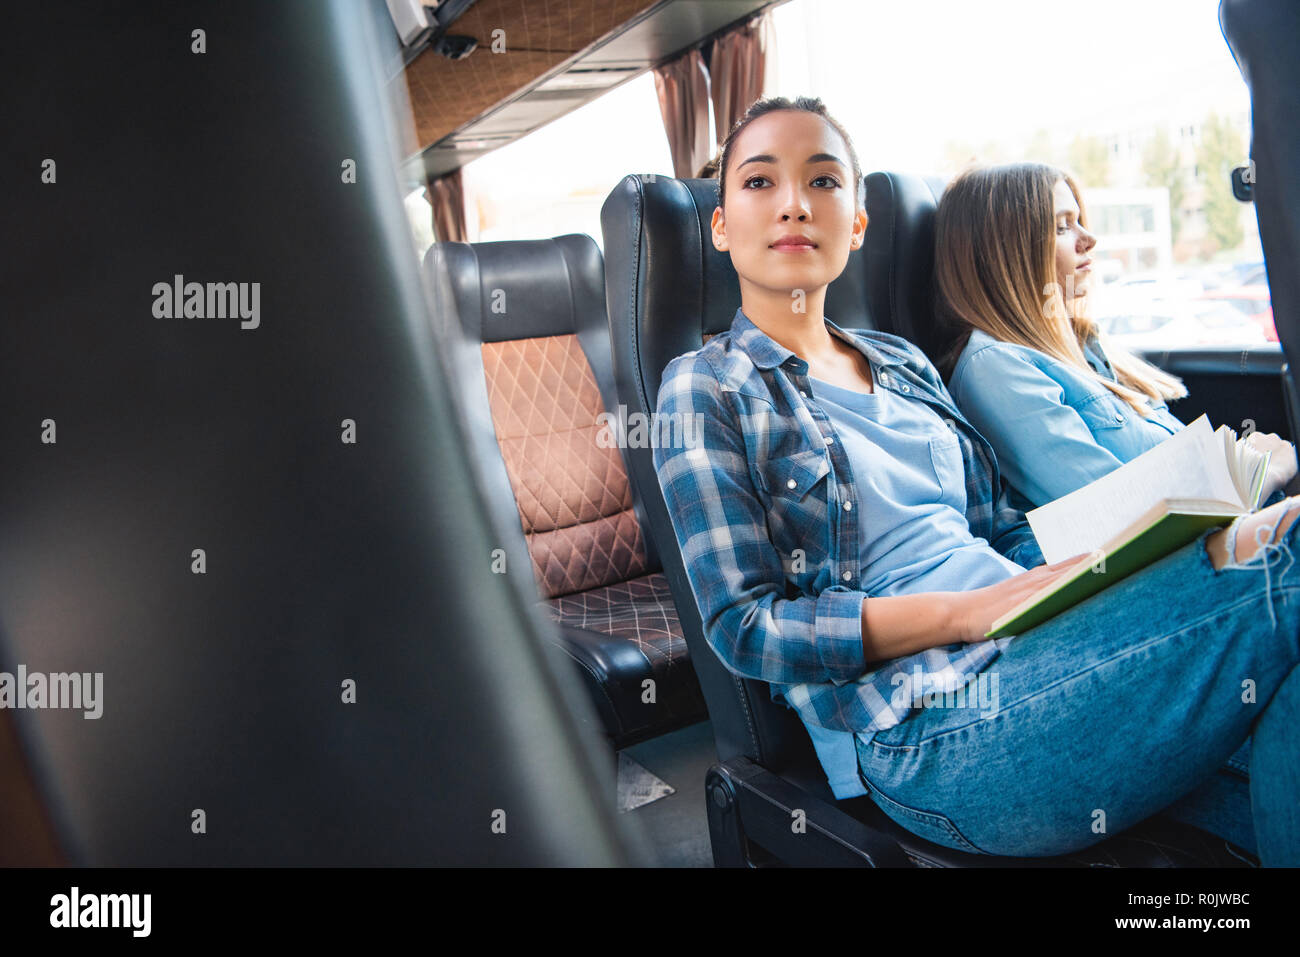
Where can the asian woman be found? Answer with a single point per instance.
(848, 540)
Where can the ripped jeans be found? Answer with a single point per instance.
(1176, 690)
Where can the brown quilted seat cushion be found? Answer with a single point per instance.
(640, 610)
(574, 500)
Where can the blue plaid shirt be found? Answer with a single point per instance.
(755, 490)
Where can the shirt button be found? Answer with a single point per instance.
(803, 393)
(906, 388)
(830, 439)
(791, 484)
(1119, 417)
(847, 575)
(848, 506)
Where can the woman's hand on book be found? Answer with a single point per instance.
(977, 610)
(1281, 464)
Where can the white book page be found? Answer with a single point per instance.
(1190, 464)
(1250, 462)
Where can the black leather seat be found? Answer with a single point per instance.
(342, 680)
(538, 375)
(899, 251)
(667, 288)
(1264, 36)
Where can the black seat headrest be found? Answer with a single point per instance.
(521, 289)
(900, 255)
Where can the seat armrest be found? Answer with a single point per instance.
(767, 804)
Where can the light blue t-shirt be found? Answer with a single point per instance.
(914, 537)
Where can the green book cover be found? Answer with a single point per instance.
(1153, 538)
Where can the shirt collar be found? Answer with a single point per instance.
(1096, 356)
(767, 353)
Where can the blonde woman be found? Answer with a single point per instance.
(1024, 362)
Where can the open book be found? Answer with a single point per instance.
(1161, 500)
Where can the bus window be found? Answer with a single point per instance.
(1141, 102)
(554, 180)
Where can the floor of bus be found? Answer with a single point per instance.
(676, 826)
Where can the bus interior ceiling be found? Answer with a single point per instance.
(562, 56)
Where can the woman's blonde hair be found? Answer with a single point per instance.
(995, 267)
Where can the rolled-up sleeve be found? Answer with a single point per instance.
(734, 569)
(1043, 446)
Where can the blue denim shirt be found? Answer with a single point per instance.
(1053, 427)
(762, 506)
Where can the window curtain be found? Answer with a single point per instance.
(737, 67)
(683, 88)
(447, 197)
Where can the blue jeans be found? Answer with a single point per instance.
(1175, 690)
